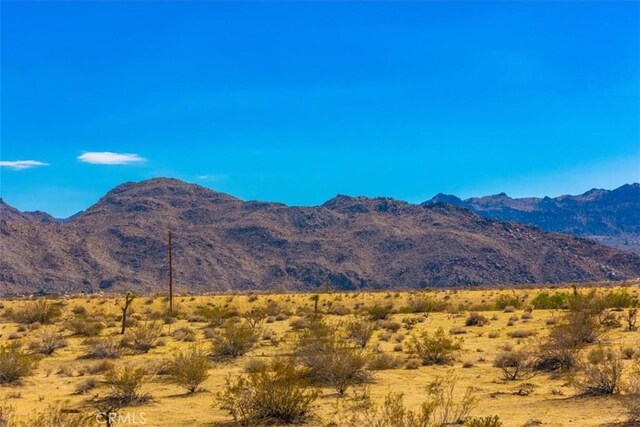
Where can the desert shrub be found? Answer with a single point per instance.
(102, 348)
(328, 359)
(439, 409)
(600, 374)
(546, 301)
(339, 310)
(185, 334)
(504, 300)
(514, 365)
(15, 364)
(84, 327)
(125, 382)
(46, 340)
(576, 329)
(423, 304)
(436, 349)
(379, 312)
(189, 368)
(299, 323)
(254, 365)
(521, 333)
(488, 421)
(631, 318)
(215, 315)
(551, 358)
(144, 336)
(85, 385)
(390, 325)
(255, 316)
(457, 330)
(620, 298)
(476, 319)
(413, 364)
(380, 361)
(360, 331)
(277, 393)
(41, 311)
(235, 339)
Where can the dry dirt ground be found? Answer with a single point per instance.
(551, 402)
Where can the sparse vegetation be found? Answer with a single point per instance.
(15, 364)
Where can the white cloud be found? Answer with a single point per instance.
(21, 164)
(109, 158)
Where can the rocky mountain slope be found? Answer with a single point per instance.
(222, 243)
(611, 217)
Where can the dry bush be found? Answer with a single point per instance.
(41, 311)
(255, 316)
(476, 319)
(15, 364)
(439, 409)
(360, 331)
(85, 385)
(254, 365)
(436, 349)
(125, 382)
(84, 327)
(380, 361)
(189, 368)
(144, 336)
(46, 340)
(514, 365)
(278, 393)
(185, 334)
(521, 333)
(235, 339)
(328, 359)
(600, 374)
(102, 348)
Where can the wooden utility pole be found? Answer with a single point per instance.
(170, 276)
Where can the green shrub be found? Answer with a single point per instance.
(545, 301)
(144, 336)
(504, 300)
(423, 304)
(189, 368)
(125, 382)
(275, 394)
(235, 339)
(476, 319)
(436, 349)
(379, 312)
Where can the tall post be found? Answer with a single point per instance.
(170, 276)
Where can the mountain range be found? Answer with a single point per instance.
(223, 243)
(611, 217)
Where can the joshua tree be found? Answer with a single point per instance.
(127, 302)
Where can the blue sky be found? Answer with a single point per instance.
(298, 101)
